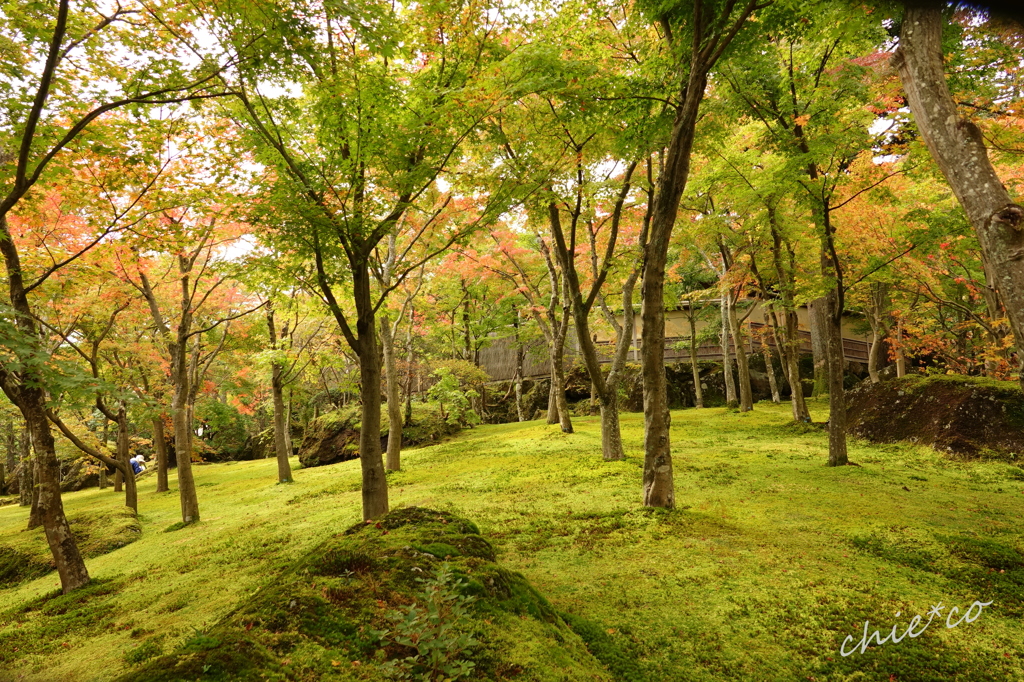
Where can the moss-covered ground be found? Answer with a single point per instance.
(769, 562)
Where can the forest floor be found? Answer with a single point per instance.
(769, 562)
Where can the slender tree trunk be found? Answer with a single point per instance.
(518, 378)
(698, 392)
(118, 476)
(284, 468)
(819, 345)
(281, 450)
(837, 455)
(11, 441)
(410, 359)
(25, 480)
(183, 454)
(742, 366)
(552, 398)
(394, 454)
(730, 385)
(160, 444)
(959, 149)
(35, 514)
(558, 381)
(901, 358)
(769, 368)
(800, 411)
(288, 446)
(131, 495)
(878, 303)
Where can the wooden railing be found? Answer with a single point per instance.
(499, 359)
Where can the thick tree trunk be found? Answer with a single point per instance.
(730, 385)
(959, 149)
(394, 454)
(837, 455)
(160, 445)
(819, 345)
(742, 366)
(658, 482)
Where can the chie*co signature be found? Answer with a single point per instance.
(875, 637)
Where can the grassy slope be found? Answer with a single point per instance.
(770, 561)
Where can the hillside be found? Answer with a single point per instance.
(769, 562)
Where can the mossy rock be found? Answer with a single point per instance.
(959, 415)
(332, 614)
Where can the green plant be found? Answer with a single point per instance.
(453, 402)
(151, 648)
(435, 629)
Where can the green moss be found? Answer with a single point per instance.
(605, 648)
(95, 533)
(337, 601)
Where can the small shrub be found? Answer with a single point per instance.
(453, 402)
(435, 630)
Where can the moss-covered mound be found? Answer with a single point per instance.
(417, 595)
(96, 534)
(966, 416)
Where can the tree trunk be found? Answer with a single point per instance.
(284, 468)
(518, 378)
(558, 382)
(394, 454)
(658, 482)
(410, 359)
(730, 385)
(25, 480)
(878, 303)
(180, 414)
(698, 392)
(35, 514)
(131, 496)
(901, 358)
(742, 366)
(959, 149)
(288, 446)
(67, 558)
(769, 368)
(375, 486)
(160, 444)
(837, 455)
(552, 398)
(819, 345)
(800, 411)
